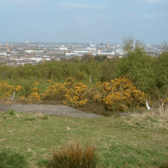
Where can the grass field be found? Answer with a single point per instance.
(137, 140)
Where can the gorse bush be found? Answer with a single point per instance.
(33, 96)
(7, 90)
(119, 95)
(116, 95)
(55, 90)
(74, 156)
(70, 92)
(76, 93)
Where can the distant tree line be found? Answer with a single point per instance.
(149, 74)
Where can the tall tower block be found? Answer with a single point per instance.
(8, 48)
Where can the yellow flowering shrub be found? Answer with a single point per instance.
(18, 87)
(54, 90)
(97, 98)
(35, 89)
(33, 97)
(36, 83)
(49, 80)
(76, 92)
(119, 94)
(7, 90)
(116, 95)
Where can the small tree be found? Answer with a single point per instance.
(162, 72)
(87, 58)
(165, 47)
(137, 66)
(128, 44)
(100, 58)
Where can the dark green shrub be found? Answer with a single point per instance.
(137, 66)
(11, 112)
(162, 72)
(30, 119)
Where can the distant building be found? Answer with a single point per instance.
(62, 48)
(30, 51)
(8, 48)
(36, 59)
(108, 45)
(3, 54)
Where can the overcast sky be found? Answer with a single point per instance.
(83, 20)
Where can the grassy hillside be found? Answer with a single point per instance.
(107, 87)
(138, 140)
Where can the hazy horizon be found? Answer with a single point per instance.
(76, 21)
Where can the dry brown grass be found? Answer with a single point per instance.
(164, 165)
(74, 156)
(154, 119)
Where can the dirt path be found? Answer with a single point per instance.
(56, 110)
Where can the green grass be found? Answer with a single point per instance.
(11, 159)
(139, 140)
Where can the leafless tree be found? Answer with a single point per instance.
(128, 44)
(165, 46)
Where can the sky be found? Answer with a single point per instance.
(99, 21)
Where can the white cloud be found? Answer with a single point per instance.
(72, 6)
(21, 2)
(147, 16)
(82, 20)
(149, 1)
(154, 1)
(101, 16)
(151, 16)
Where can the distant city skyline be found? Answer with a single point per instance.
(99, 21)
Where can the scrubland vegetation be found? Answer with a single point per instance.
(118, 84)
(95, 85)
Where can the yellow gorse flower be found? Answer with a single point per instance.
(35, 89)
(73, 92)
(36, 83)
(18, 87)
(119, 94)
